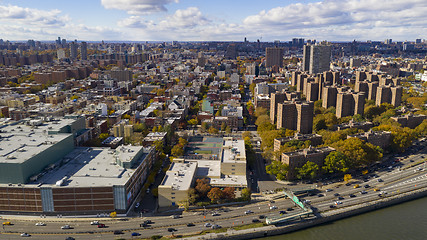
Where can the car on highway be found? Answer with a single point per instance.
(248, 212)
(208, 225)
(7, 223)
(215, 226)
(101, 225)
(289, 209)
(352, 195)
(255, 220)
(66, 227)
(282, 212)
(40, 224)
(144, 225)
(94, 223)
(332, 206)
(261, 216)
(176, 216)
(172, 230)
(215, 214)
(376, 189)
(340, 198)
(190, 225)
(363, 192)
(70, 238)
(117, 232)
(336, 194)
(338, 202)
(329, 190)
(380, 180)
(135, 234)
(137, 205)
(273, 207)
(356, 186)
(25, 235)
(367, 186)
(320, 195)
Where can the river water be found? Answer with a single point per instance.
(406, 221)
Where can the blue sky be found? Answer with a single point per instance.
(204, 20)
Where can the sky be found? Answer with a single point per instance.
(209, 20)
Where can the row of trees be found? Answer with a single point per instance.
(204, 194)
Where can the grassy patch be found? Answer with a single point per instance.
(247, 226)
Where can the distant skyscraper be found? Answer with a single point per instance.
(316, 58)
(83, 51)
(306, 58)
(274, 57)
(231, 52)
(73, 50)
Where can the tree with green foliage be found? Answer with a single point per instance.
(213, 130)
(177, 150)
(246, 194)
(278, 169)
(309, 170)
(183, 142)
(192, 196)
(103, 136)
(336, 162)
(359, 152)
(193, 121)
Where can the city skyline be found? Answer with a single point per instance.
(189, 20)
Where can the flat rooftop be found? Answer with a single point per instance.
(230, 180)
(207, 168)
(233, 150)
(180, 175)
(19, 142)
(87, 167)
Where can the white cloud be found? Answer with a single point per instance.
(343, 19)
(18, 23)
(137, 7)
(184, 24)
(16, 14)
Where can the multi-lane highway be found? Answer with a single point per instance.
(405, 175)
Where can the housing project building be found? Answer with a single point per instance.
(43, 172)
(221, 160)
